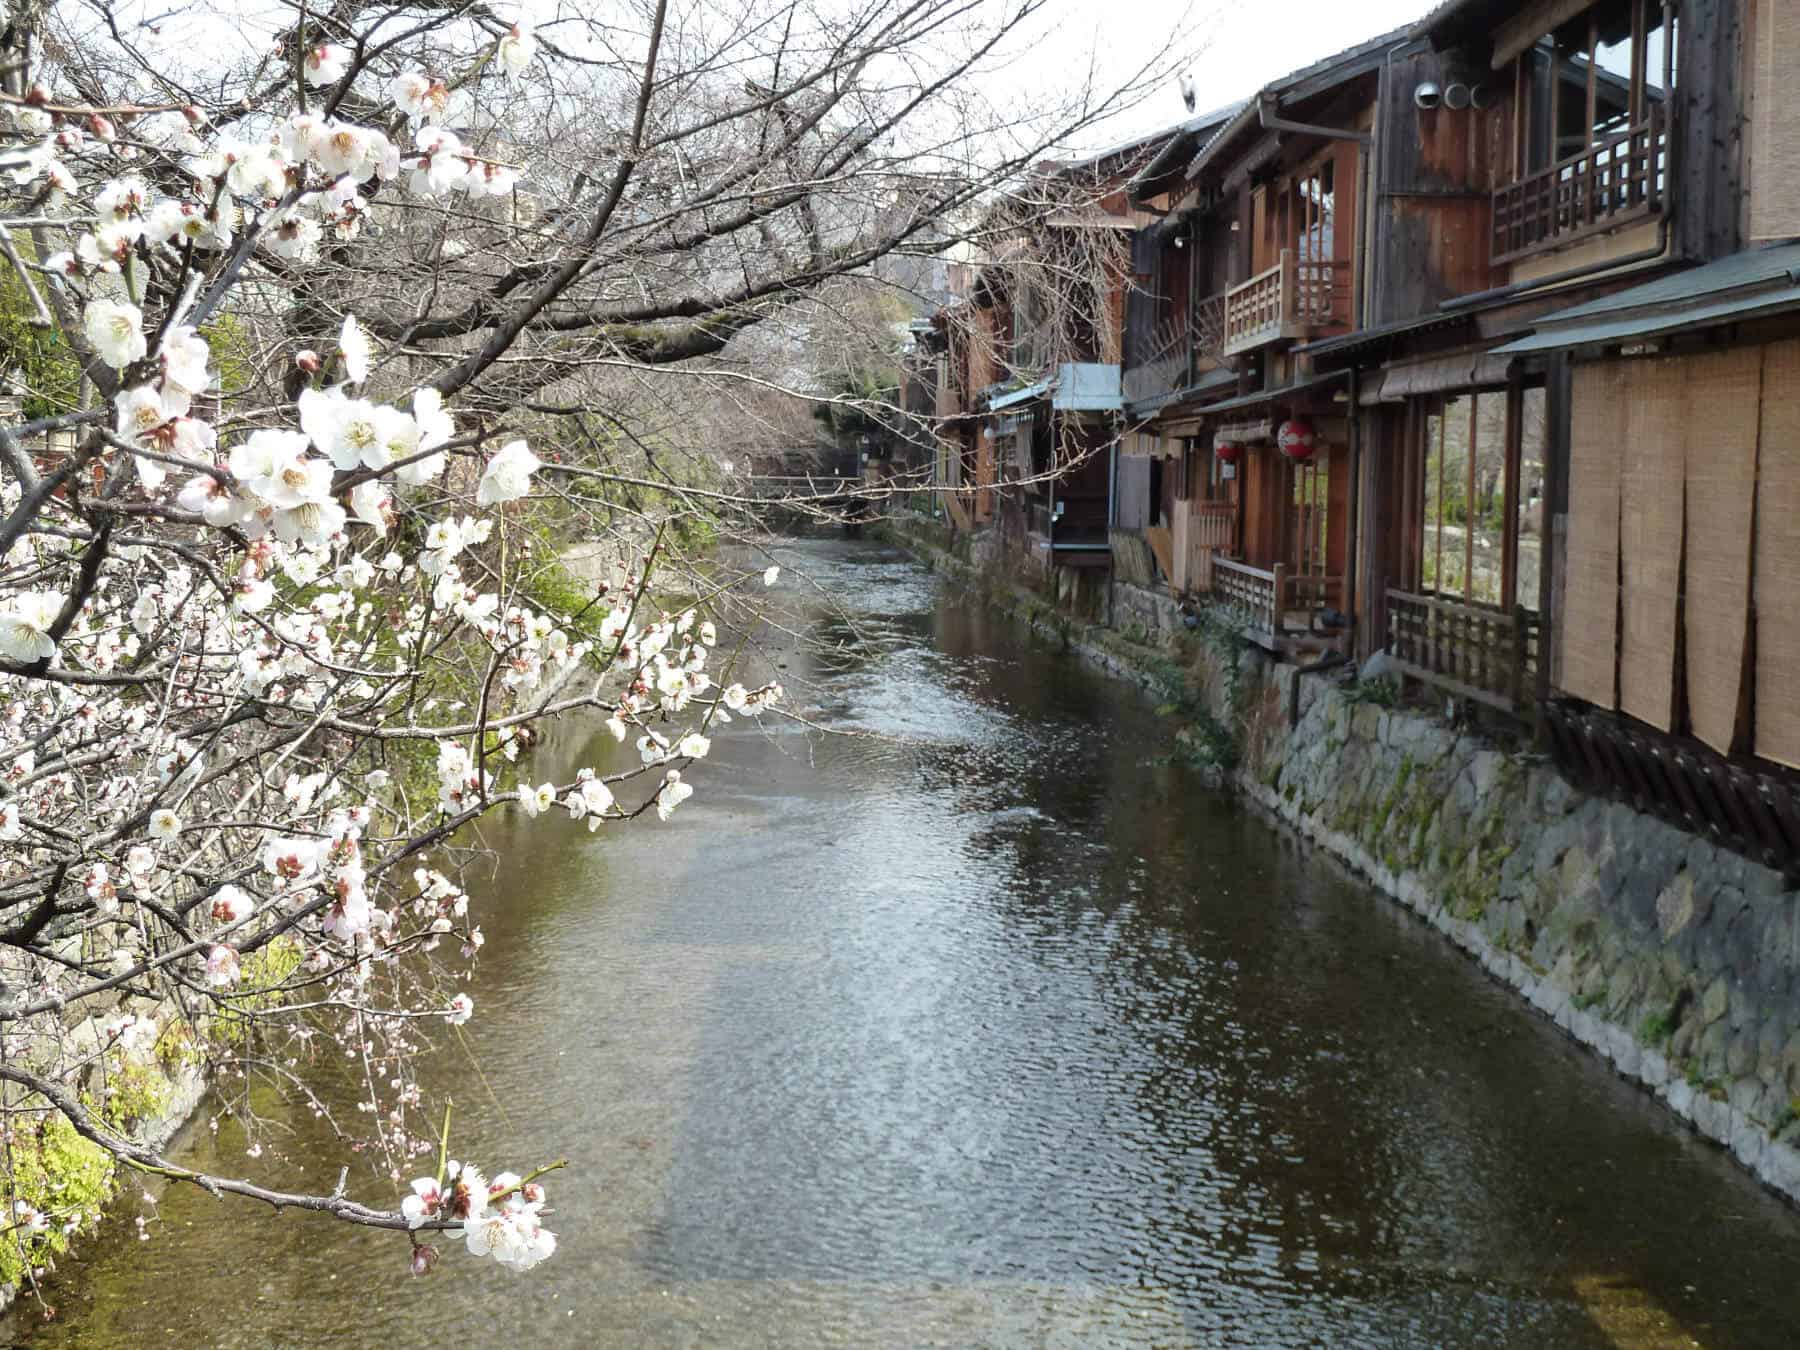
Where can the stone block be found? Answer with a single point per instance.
(1674, 905)
(1714, 1001)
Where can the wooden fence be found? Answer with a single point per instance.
(1251, 593)
(1475, 651)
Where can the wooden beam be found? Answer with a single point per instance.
(1518, 33)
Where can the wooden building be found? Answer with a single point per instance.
(1525, 275)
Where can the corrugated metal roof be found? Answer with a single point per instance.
(1759, 282)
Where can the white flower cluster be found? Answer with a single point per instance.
(499, 1218)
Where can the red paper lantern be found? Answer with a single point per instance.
(1227, 453)
(1296, 439)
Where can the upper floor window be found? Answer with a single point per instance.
(1596, 78)
(1592, 102)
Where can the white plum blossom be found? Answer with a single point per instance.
(420, 97)
(517, 48)
(25, 628)
(231, 904)
(326, 64)
(222, 966)
(115, 329)
(508, 474)
(424, 1202)
(461, 1009)
(354, 349)
(771, 575)
(164, 824)
(671, 794)
(536, 800)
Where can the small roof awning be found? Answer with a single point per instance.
(1286, 393)
(1756, 284)
(1439, 375)
(1024, 395)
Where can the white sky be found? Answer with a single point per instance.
(1245, 43)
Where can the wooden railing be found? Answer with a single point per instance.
(1624, 177)
(1475, 651)
(1254, 310)
(1289, 300)
(1250, 593)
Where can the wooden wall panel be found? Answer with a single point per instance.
(1778, 560)
(1719, 434)
(1651, 428)
(1132, 503)
(1588, 635)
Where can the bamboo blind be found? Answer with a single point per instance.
(1650, 520)
(1590, 630)
(1719, 432)
(1778, 560)
(1775, 143)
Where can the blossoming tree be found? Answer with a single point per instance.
(272, 622)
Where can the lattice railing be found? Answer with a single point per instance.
(1290, 299)
(1254, 311)
(1250, 592)
(1620, 178)
(1476, 651)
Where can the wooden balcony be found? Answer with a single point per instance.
(1277, 605)
(1619, 180)
(1477, 652)
(1293, 299)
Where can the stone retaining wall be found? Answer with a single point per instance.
(1675, 960)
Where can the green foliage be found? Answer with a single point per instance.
(1655, 1029)
(38, 359)
(266, 969)
(229, 340)
(60, 1174)
(1383, 692)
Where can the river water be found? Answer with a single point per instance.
(986, 1025)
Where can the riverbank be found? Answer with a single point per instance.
(1676, 961)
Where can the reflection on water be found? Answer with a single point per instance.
(985, 1025)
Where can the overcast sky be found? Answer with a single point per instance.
(1246, 43)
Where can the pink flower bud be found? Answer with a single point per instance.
(102, 128)
(423, 1259)
(37, 95)
(309, 361)
(194, 116)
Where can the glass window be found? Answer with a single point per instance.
(1465, 520)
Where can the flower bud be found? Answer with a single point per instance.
(37, 96)
(309, 361)
(102, 128)
(423, 1259)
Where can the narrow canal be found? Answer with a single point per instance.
(986, 1027)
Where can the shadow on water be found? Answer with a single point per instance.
(986, 1025)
